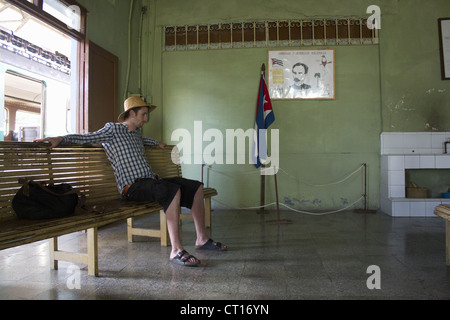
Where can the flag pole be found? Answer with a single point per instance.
(263, 177)
(263, 182)
(278, 221)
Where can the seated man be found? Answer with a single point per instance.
(124, 146)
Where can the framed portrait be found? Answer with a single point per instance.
(301, 74)
(444, 47)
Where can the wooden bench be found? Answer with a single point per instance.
(86, 169)
(443, 211)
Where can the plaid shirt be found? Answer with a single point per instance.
(124, 148)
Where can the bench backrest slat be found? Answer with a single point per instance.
(87, 169)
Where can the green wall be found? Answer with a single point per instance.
(393, 86)
(108, 25)
(414, 98)
(320, 141)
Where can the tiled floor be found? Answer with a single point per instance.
(315, 257)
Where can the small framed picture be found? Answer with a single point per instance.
(301, 74)
(444, 47)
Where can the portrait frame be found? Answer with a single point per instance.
(444, 47)
(300, 74)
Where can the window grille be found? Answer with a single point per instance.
(286, 33)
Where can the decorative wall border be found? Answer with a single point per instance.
(285, 33)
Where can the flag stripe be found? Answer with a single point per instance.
(264, 118)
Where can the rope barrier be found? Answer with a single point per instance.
(290, 208)
(326, 184)
(210, 168)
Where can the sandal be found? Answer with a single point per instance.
(179, 259)
(210, 245)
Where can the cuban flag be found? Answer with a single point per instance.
(264, 118)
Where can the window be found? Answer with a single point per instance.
(65, 15)
(29, 124)
(41, 40)
(68, 14)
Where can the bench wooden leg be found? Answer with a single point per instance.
(53, 247)
(161, 233)
(130, 225)
(92, 246)
(208, 212)
(91, 258)
(447, 242)
(165, 240)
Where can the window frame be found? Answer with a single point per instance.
(36, 9)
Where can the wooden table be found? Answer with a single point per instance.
(443, 211)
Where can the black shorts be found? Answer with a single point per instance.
(163, 191)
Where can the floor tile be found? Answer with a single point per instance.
(315, 257)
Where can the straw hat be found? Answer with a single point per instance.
(134, 102)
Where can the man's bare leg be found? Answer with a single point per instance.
(198, 214)
(172, 216)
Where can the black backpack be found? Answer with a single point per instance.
(36, 201)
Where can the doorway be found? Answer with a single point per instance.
(24, 107)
